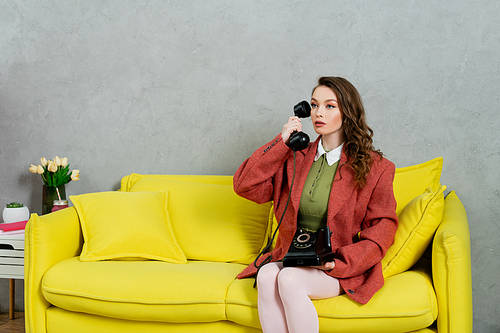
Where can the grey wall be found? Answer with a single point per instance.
(194, 87)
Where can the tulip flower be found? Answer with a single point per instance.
(52, 167)
(33, 168)
(75, 175)
(55, 172)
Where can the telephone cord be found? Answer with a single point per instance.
(270, 257)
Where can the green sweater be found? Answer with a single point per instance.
(314, 200)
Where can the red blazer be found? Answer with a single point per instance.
(369, 211)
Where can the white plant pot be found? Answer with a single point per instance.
(15, 214)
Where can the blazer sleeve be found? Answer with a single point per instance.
(254, 178)
(377, 231)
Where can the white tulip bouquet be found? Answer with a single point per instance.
(55, 172)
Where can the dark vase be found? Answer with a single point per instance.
(49, 195)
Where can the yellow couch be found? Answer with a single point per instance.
(201, 235)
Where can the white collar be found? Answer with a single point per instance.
(332, 156)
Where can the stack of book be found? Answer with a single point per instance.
(12, 228)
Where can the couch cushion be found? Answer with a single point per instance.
(58, 321)
(411, 181)
(128, 181)
(211, 222)
(407, 302)
(417, 224)
(141, 290)
(126, 225)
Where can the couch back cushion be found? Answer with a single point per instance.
(129, 181)
(221, 226)
(210, 221)
(412, 181)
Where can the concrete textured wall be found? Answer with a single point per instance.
(194, 87)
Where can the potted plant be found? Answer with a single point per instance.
(55, 175)
(15, 212)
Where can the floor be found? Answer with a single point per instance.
(12, 326)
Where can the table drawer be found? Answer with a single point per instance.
(12, 256)
(11, 261)
(11, 272)
(17, 244)
(12, 253)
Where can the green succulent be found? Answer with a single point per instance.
(15, 205)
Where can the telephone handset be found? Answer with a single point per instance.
(300, 140)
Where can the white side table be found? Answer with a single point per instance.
(12, 263)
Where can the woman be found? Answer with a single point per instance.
(341, 182)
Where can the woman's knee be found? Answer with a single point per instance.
(266, 278)
(289, 280)
(307, 281)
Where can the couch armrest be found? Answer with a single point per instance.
(49, 239)
(451, 269)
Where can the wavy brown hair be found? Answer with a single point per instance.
(358, 135)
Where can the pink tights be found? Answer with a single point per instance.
(285, 295)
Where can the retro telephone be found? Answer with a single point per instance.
(301, 255)
(300, 140)
(309, 248)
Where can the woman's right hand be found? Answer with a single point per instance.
(292, 125)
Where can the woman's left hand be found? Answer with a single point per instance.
(327, 266)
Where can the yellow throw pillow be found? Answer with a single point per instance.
(417, 224)
(211, 222)
(123, 225)
(412, 181)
